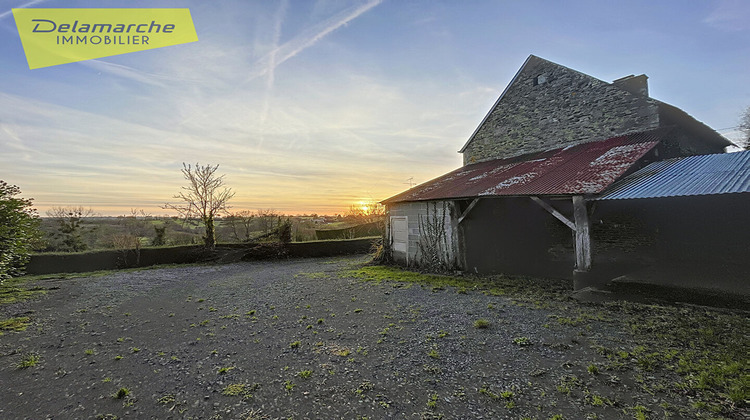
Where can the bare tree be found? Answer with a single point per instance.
(266, 219)
(240, 223)
(70, 227)
(204, 198)
(135, 226)
(125, 243)
(745, 127)
(367, 212)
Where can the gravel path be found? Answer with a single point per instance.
(297, 339)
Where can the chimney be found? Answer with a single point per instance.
(637, 85)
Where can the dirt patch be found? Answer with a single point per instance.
(329, 339)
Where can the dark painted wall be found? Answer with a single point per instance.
(516, 236)
(714, 229)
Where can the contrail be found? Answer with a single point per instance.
(308, 38)
(123, 71)
(132, 73)
(271, 69)
(279, 18)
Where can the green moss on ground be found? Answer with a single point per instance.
(705, 349)
(13, 290)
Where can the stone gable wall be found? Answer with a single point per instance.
(549, 106)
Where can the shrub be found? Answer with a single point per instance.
(160, 236)
(19, 224)
(285, 231)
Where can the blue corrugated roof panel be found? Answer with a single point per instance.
(725, 173)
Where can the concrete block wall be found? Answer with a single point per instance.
(548, 106)
(422, 210)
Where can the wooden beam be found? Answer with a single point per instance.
(554, 212)
(583, 237)
(468, 209)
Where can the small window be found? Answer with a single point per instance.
(540, 79)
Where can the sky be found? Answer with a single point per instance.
(313, 106)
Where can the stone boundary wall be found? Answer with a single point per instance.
(81, 262)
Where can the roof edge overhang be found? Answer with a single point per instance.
(386, 202)
(707, 133)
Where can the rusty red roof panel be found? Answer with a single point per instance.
(586, 168)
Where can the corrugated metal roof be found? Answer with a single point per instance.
(724, 173)
(582, 169)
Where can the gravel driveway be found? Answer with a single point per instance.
(303, 339)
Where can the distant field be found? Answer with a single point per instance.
(97, 233)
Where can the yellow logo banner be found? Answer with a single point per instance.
(58, 36)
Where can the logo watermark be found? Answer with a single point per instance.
(57, 36)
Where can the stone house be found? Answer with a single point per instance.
(527, 198)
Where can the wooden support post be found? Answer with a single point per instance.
(457, 244)
(553, 211)
(468, 209)
(583, 237)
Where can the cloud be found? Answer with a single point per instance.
(731, 15)
(72, 157)
(11, 140)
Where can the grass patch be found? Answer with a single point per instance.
(485, 390)
(243, 390)
(432, 401)
(12, 290)
(523, 288)
(706, 348)
(14, 324)
(29, 360)
(481, 324)
(289, 386)
(167, 399)
(233, 390)
(224, 370)
(522, 341)
(122, 393)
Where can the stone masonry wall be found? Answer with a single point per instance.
(549, 106)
